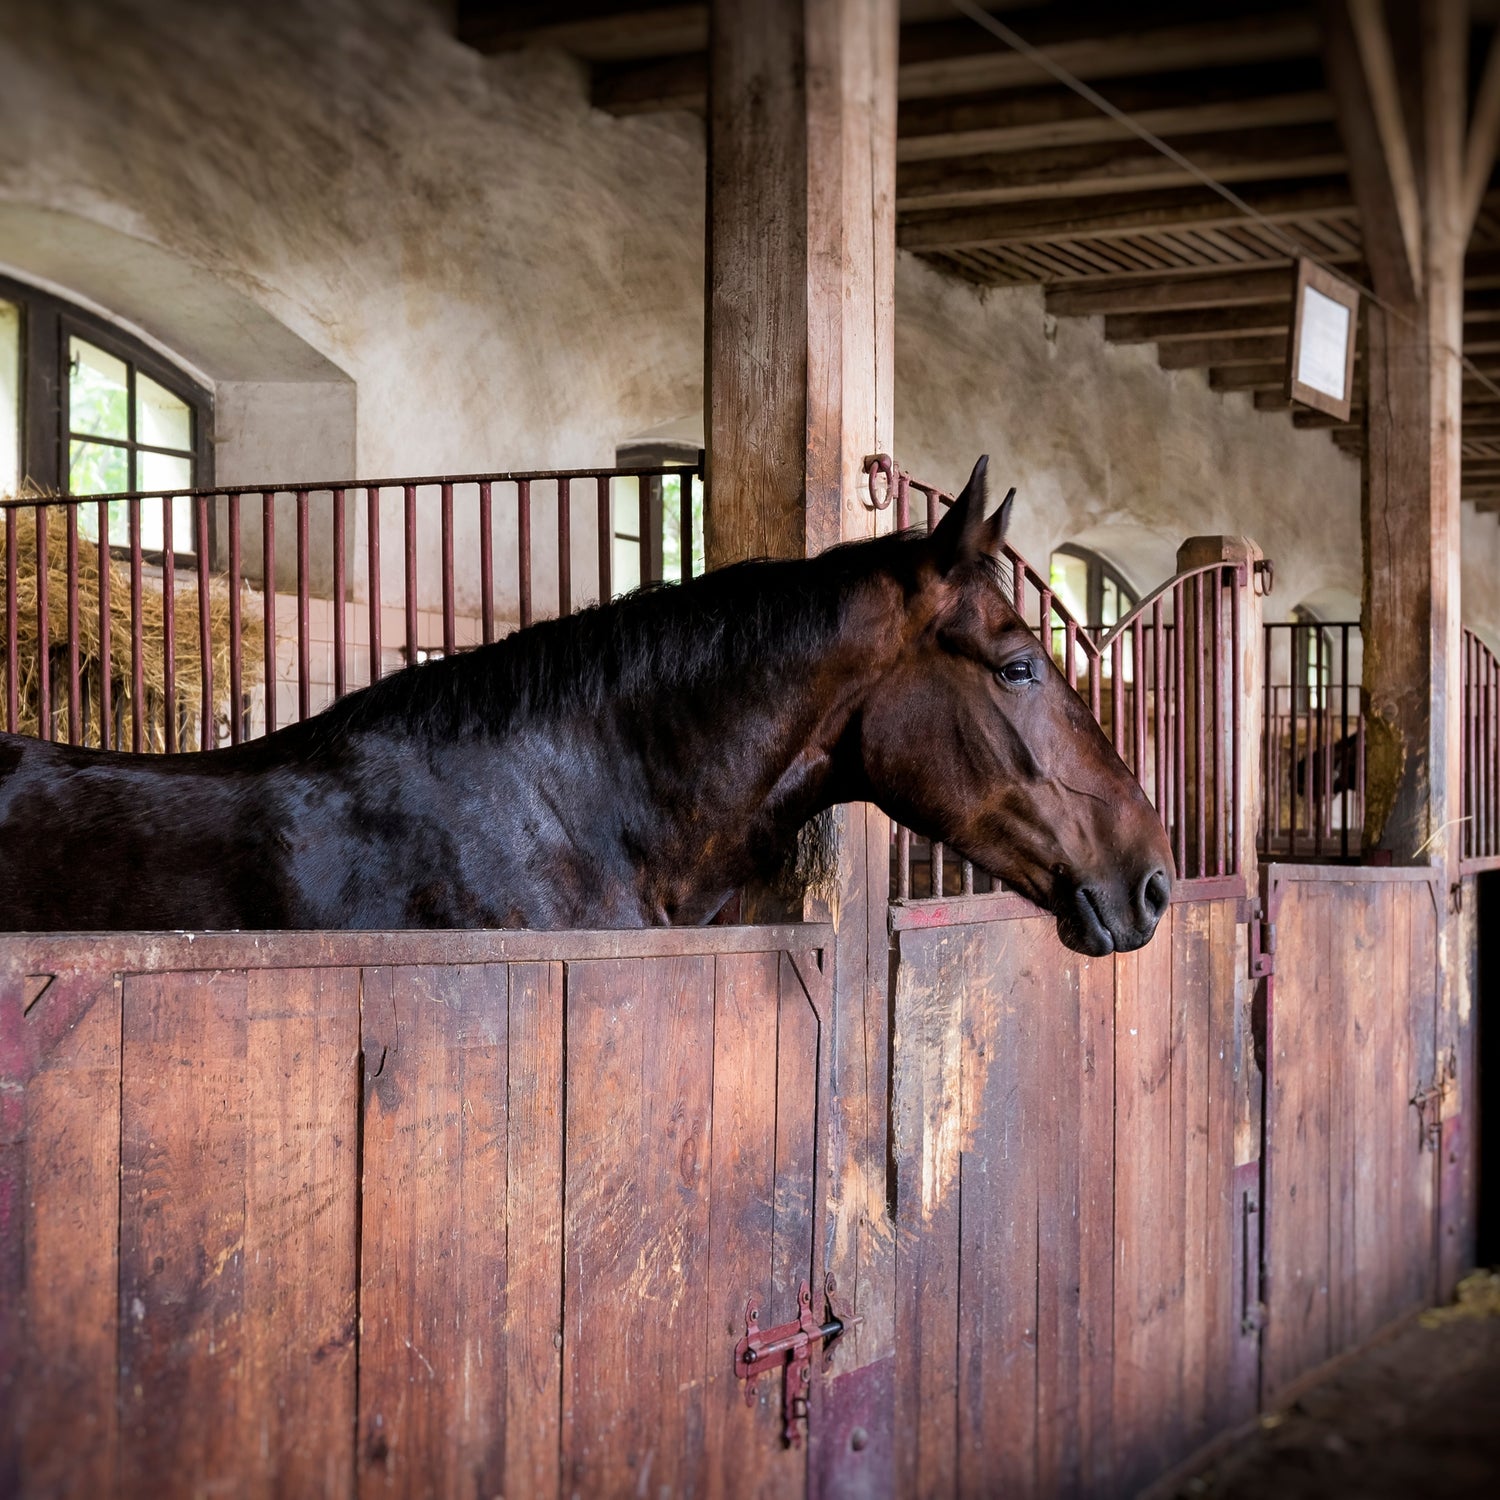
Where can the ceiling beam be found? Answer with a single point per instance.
(1156, 293)
(1100, 41)
(1190, 354)
(594, 30)
(1164, 327)
(958, 57)
(1171, 104)
(1116, 213)
(1232, 156)
(1363, 76)
(1265, 377)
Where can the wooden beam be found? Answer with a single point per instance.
(1362, 74)
(1170, 105)
(1116, 213)
(1256, 318)
(1231, 156)
(659, 83)
(1266, 377)
(957, 57)
(801, 337)
(1156, 293)
(1482, 140)
(1223, 352)
(1100, 41)
(594, 30)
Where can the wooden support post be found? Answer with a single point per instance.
(1405, 134)
(801, 289)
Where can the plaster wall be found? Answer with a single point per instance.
(498, 274)
(389, 255)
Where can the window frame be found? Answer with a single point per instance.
(47, 323)
(652, 517)
(1100, 570)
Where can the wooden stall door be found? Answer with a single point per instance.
(449, 1230)
(569, 1200)
(1351, 1167)
(1069, 1210)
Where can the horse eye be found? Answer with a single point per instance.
(1017, 672)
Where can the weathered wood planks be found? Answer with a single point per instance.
(1352, 1175)
(447, 1229)
(1067, 1209)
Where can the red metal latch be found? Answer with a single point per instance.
(791, 1346)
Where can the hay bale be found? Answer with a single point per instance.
(188, 665)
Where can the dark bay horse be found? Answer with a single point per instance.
(629, 765)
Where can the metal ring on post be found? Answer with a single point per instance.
(881, 463)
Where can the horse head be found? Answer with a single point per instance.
(974, 737)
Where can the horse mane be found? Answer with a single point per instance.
(660, 636)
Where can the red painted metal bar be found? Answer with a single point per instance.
(1159, 685)
(523, 549)
(1117, 696)
(268, 599)
(137, 656)
(106, 622)
(304, 608)
(1236, 784)
(565, 546)
(12, 624)
(1200, 766)
(1216, 649)
(236, 625)
(205, 629)
(1179, 739)
(409, 555)
(169, 628)
(1138, 698)
(43, 631)
(340, 594)
(607, 533)
(486, 565)
(450, 634)
(75, 696)
(372, 549)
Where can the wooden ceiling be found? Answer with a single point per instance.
(1006, 177)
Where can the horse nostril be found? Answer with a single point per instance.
(1156, 892)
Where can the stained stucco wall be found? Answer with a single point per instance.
(468, 268)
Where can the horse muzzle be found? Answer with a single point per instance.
(1094, 920)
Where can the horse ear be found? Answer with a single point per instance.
(964, 535)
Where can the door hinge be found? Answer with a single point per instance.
(790, 1346)
(1262, 941)
(1428, 1102)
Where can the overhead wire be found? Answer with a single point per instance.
(1296, 248)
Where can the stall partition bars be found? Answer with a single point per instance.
(1163, 683)
(146, 647)
(1479, 776)
(1313, 744)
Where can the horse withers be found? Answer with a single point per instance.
(633, 764)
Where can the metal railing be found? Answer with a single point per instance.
(1479, 776)
(1164, 683)
(1313, 741)
(192, 618)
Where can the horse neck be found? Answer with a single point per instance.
(792, 714)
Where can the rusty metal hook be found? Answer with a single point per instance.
(881, 463)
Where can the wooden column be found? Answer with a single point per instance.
(1418, 172)
(801, 273)
(801, 270)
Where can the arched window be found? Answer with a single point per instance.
(1312, 661)
(1092, 589)
(655, 532)
(87, 410)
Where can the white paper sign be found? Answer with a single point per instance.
(1322, 355)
